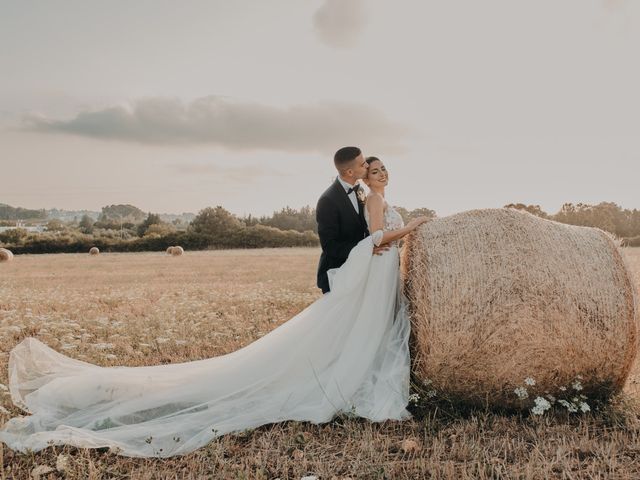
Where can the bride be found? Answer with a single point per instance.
(347, 352)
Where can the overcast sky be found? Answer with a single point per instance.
(175, 106)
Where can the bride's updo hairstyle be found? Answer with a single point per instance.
(345, 156)
(370, 160)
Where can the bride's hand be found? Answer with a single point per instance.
(416, 222)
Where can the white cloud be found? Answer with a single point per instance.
(338, 23)
(237, 175)
(321, 127)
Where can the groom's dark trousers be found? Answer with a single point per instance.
(340, 228)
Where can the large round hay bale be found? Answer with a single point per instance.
(500, 295)
(5, 255)
(94, 251)
(177, 251)
(169, 250)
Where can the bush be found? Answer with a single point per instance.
(15, 236)
(262, 236)
(258, 236)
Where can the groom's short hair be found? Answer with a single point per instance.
(344, 156)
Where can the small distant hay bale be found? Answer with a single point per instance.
(169, 250)
(5, 255)
(500, 295)
(94, 251)
(177, 251)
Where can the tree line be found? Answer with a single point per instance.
(607, 216)
(126, 228)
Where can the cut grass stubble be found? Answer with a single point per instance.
(151, 308)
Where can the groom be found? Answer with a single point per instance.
(340, 213)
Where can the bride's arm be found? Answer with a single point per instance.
(375, 206)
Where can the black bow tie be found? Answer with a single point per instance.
(355, 188)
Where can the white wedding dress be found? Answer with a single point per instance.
(347, 352)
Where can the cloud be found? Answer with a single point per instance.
(234, 125)
(338, 23)
(238, 175)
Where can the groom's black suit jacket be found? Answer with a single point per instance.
(340, 228)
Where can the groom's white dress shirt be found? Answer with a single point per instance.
(375, 236)
(352, 195)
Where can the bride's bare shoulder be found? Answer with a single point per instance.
(376, 200)
(375, 197)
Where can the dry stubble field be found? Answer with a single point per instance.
(149, 308)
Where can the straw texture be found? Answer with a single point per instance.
(5, 255)
(500, 295)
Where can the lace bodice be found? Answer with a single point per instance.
(392, 220)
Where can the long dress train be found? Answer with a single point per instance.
(346, 352)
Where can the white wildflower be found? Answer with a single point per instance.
(537, 410)
(431, 393)
(529, 381)
(62, 463)
(563, 389)
(541, 405)
(40, 471)
(584, 406)
(521, 392)
(568, 405)
(577, 386)
(414, 398)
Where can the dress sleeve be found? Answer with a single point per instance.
(377, 237)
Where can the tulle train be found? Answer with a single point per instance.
(346, 352)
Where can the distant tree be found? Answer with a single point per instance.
(8, 212)
(533, 209)
(250, 221)
(605, 215)
(122, 213)
(15, 236)
(159, 229)
(634, 222)
(152, 219)
(55, 225)
(215, 224)
(288, 219)
(86, 224)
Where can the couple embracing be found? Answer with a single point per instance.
(346, 215)
(345, 353)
